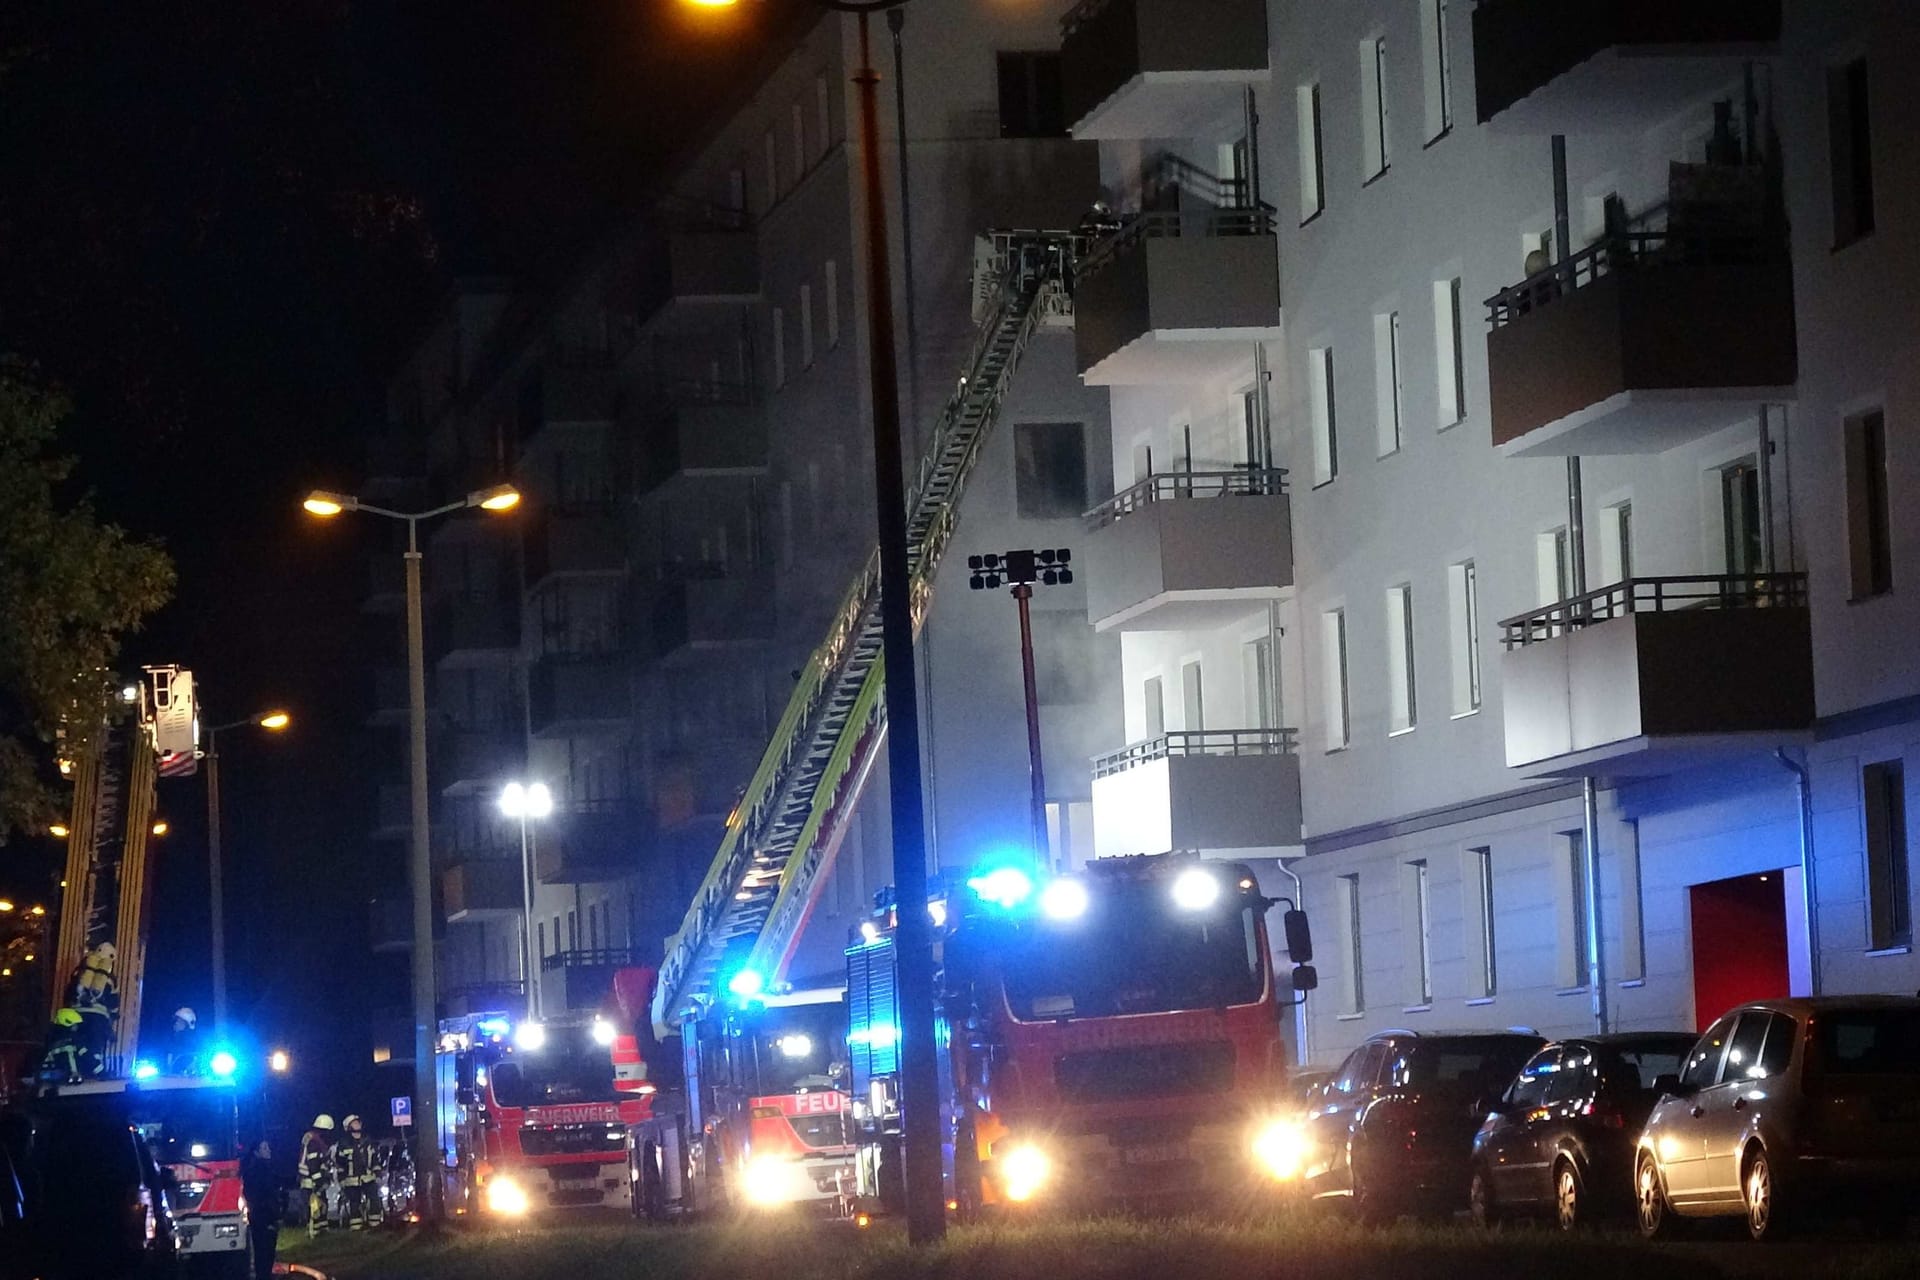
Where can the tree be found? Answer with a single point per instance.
(71, 588)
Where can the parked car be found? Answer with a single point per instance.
(1786, 1107)
(1393, 1129)
(1561, 1139)
(96, 1204)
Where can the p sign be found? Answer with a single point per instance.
(402, 1112)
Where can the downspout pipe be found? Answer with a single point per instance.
(1809, 889)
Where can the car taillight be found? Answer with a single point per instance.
(1607, 1114)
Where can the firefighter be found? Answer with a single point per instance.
(96, 997)
(63, 1061)
(316, 1171)
(262, 1185)
(354, 1159)
(184, 1058)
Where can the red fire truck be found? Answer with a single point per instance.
(760, 1116)
(1111, 1037)
(531, 1117)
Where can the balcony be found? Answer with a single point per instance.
(581, 980)
(392, 813)
(503, 995)
(578, 695)
(710, 257)
(389, 707)
(1652, 675)
(1587, 66)
(1159, 68)
(703, 608)
(1176, 297)
(1212, 789)
(591, 843)
(390, 925)
(1639, 343)
(574, 542)
(473, 629)
(479, 889)
(476, 760)
(1189, 551)
(703, 429)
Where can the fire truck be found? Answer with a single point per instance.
(759, 1117)
(531, 1115)
(191, 1124)
(1110, 1037)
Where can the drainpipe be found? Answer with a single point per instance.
(1809, 892)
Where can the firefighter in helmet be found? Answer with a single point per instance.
(64, 1060)
(316, 1170)
(183, 1057)
(96, 997)
(354, 1159)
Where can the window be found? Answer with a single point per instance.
(1744, 1050)
(1253, 430)
(1193, 707)
(1402, 696)
(1259, 683)
(1050, 470)
(1374, 154)
(1386, 380)
(1333, 640)
(1031, 104)
(1529, 1088)
(1313, 169)
(1477, 877)
(1421, 905)
(1361, 1069)
(1869, 530)
(593, 927)
(832, 299)
(1355, 980)
(823, 112)
(1740, 517)
(799, 140)
(1703, 1064)
(1630, 964)
(806, 326)
(1889, 908)
(1553, 571)
(1154, 705)
(737, 189)
(773, 168)
(1438, 61)
(1616, 542)
(1450, 344)
(573, 931)
(1463, 631)
(556, 933)
(541, 934)
(1326, 441)
(779, 317)
(1850, 145)
(1572, 910)
(1778, 1052)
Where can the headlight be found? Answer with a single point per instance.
(769, 1181)
(506, 1197)
(1023, 1172)
(1281, 1149)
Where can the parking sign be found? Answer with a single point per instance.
(402, 1112)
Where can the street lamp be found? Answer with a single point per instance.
(913, 939)
(326, 504)
(278, 1062)
(272, 721)
(524, 801)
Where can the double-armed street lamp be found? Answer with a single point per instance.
(272, 722)
(525, 802)
(326, 504)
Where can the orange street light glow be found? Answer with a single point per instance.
(58, 831)
(275, 720)
(322, 503)
(502, 497)
(160, 827)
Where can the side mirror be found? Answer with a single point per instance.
(465, 1097)
(1299, 939)
(1668, 1084)
(1305, 978)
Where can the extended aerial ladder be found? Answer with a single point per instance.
(782, 835)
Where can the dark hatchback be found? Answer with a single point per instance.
(1560, 1140)
(1394, 1126)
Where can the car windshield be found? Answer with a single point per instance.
(1134, 951)
(797, 1048)
(552, 1076)
(182, 1125)
(1482, 1063)
(1870, 1042)
(1640, 1063)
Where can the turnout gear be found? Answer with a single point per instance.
(96, 997)
(353, 1158)
(65, 1059)
(317, 1170)
(183, 1054)
(184, 1019)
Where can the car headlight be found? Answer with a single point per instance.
(1024, 1171)
(769, 1181)
(505, 1196)
(1280, 1148)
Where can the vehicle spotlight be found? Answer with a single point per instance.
(506, 1197)
(531, 1037)
(223, 1063)
(1023, 1172)
(1005, 887)
(602, 1032)
(1281, 1149)
(796, 1046)
(278, 1062)
(1195, 890)
(1064, 899)
(772, 1181)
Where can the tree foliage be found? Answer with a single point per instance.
(71, 589)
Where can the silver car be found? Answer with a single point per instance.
(1784, 1107)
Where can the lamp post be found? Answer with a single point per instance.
(524, 801)
(326, 505)
(272, 722)
(913, 941)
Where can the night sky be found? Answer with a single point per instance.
(221, 225)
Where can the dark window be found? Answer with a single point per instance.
(1740, 517)
(1050, 470)
(1703, 1064)
(1744, 1054)
(1869, 529)
(1850, 138)
(1574, 1080)
(1884, 793)
(1778, 1053)
(1529, 1089)
(1031, 105)
(1869, 1042)
(1358, 1071)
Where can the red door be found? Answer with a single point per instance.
(1739, 943)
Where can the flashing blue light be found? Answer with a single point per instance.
(223, 1063)
(1004, 887)
(493, 1027)
(145, 1071)
(746, 984)
(883, 1036)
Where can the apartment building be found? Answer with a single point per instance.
(1504, 236)
(687, 414)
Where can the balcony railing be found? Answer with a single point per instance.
(1187, 484)
(1629, 251)
(1198, 742)
(590, 958)
(1174, 224)
(1656, 595)
(508, 995)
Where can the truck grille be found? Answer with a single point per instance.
(573, 1140)
(1147, 1071)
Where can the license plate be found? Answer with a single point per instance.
(1159, 1153)
(574, 1172)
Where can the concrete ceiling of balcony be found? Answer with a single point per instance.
(1178, 356)
(1170, 104)
(1645, 422)
(1625, 89)
(1655, 756)
(1192, 610)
